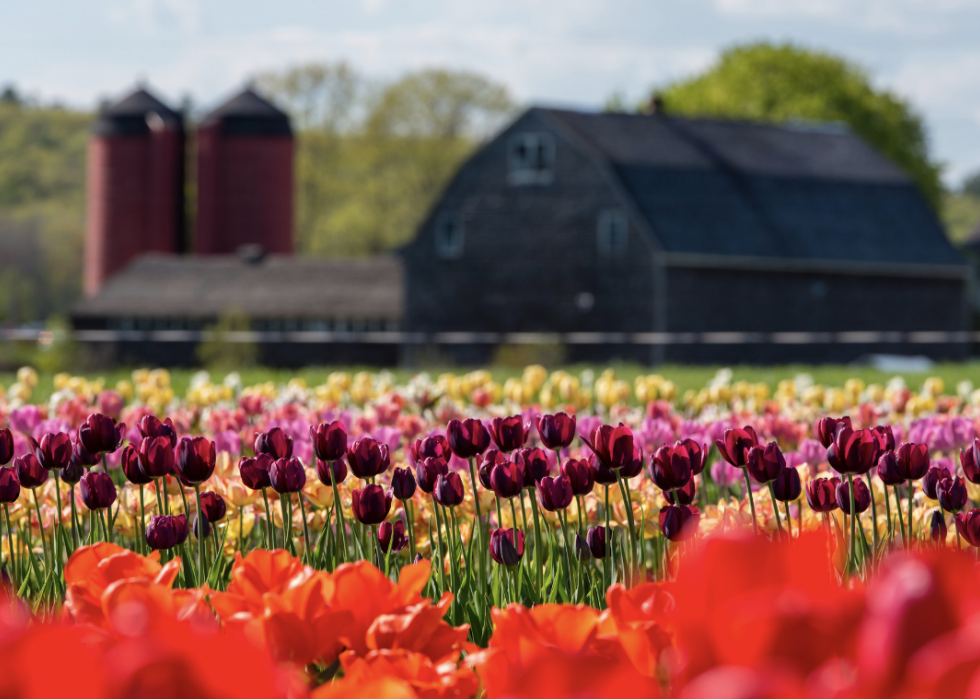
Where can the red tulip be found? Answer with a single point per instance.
(370, 504)
(166, 531)
(556, 493)
(6, 446)
(536, 465)
(951, 493)
(392, 535)
(556, 431)
(491, 458)
(9, 487)
(156, 456)
(765, 464)
(821, 494)
(467, 438)
(507, 546)
(287, 476)
(508, 433)
(580, 474)
(403, 484)
(968, 526)
(595, 537)
(968, 460)
(53, 451)
(448, 491)
(367, 459)
(195, 459)
(213, 506)
(885, 436)
(736, 445)
(679, 523)
(254, 471)
(684, 495)
(930, 481)
(672, 466)
(329, 440)
(862, 497)
(937, 528)
(507, 479)
(275, 443)
(100, 434)
(826, 429)
(150, 427)
(613, 446)
(131, 466)
(913, 460)
(787, 486)
(98, 491)
(432, 447)
(427, 472)
(853, 451)
(29, 472)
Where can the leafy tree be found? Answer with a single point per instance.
(782, 82)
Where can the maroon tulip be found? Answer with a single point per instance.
(53, 451)
(862, 497)
(968, 526)
(951, 494)
(679, 523)
(603, 474)
(509, 433)
(969, 462)
(507, 546)
(736, 444)
(787, 486)
(536, 465)
(433, 447)
(392, 535)
(449, 489)
(765, 464)
(166, 531)
(556, 431)
(613, 446)
(98, 491)
(427, 472)
(82, 457)
(100, 434)
(325, 470)
(467, 438)
(198, 522)
(254, 471)
(913, 460)
(491, 458)
(9, 487)
(403, 484)
(853, 451)
(150, 426)
(29, 472)
(684, 495)
(672, 467)
(885, 436)
(73, 472)
(937, 528)
(195, 459)
(580, 475)
(930, 481)
(156, 457)
(821, 494)
(556, 493)
(213, 506)
(507, 479)
(889, 470)
(826, 429)
(367, 459)
(370, 504)
(633, 467)
(275, 443)
(595, 537)
(329, 440)
(287, 476)
(130, 461)
(6, 446)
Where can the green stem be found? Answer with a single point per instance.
(538, 543)
(911, 487)
(340, 515)
(269, 529)
(74, 519)
(775, 507)
(142, 524)
(306, 530)
(40, 528)
(10, 546)
(481, 557)
(874, 516)
(200, 531)
(748, 490)
(562, 519)
(888, 517)
(629, 517)
(61, 525)
(410, 524)
(789, 521)
(609, 544)
(850, 487)
(442, 546)
(898, 508)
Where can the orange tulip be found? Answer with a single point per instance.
(638, 621)
(427, 679)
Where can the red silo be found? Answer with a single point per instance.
(135, 185)
(244, 178)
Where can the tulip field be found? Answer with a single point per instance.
(553, 535)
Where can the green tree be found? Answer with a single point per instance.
(782, 82)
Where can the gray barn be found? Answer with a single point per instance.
(663, 238)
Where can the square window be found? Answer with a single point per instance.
(449, 236)
(530, 158)
(612, 232)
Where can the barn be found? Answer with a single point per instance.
(656, 237)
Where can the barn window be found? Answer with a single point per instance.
(449, 236)
(530, 158)
(612, 233)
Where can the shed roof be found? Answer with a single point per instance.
(156, 285)
(129, 115)
(248, 114)
(796, 191)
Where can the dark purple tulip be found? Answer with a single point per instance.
(329, 440)
(969, 462)
(603, 474)
(765, 464)
(582, 551)
(287, 476)
(507, 546)
(367, 459)
(889, 470)
(671, 466)
(156, 457)
(467, 438)
(556, 431)
(427, 472)
(9, 487)
(275, 443)
(930, 481)
(254, 471)
(98, 491)
(913, 460)
(100, 434)
(370, 504)
(536, 465)
(198, 521)
(53, 451)
(580, 475)
(968, 526)
(684, 495)
(508, 433)
(213, 506)
(951, 494)
(73, 472)
(679, 523)
(937, 528)
(392, 535)
(787, 486)
(886, 438)
(166, 531)
(433, 447)
(595, 537)
(325, 470)
(821, 494)
(195, 459)
(862, 497)
(150, 426)
(29, 472)
(507, 479)
(825, 429)
(491, 458)
(449, 489)
(736, 444)
(130, 462)
(82, 457)
(633, 467)
(613, 446)
(853, 451)
(556, 493)
(6, 446)
(403, 484)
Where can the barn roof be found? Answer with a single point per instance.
(277, 286)
(129, 115)
(248, 114)
(806, 191)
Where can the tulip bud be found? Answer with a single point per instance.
(448, 491)
(195, 459)
(951, 493)
(131, 467)
(787, 486)
(889, 470)
(862, 497)
(9, 487)
(556, 431)
(765, 464)
(555, 493)
(853, 451)
(156, 457)
(467, 438)
(596, 538)
(670, 467)
(166, 531)
(826, 429)
(73, 472)
(370, 504)
(6, 446)
(213, 506)
(930, 481)
(507, 546)
(913, 460)
(392, 535)
(150, 427)
(432, 447)
(29, 472)
(366, 458)
(582, 551)
(97, 490)
(427, 472)
(100, 434)
(821, 494)
(536, 465)
(287, 476)
(580, 474)
(254, 471)
(508, 433)
(507, 479)
(329, 441)
(275, 443)
(937, 528)
(679, 523)
(198, 522)
(403, 484)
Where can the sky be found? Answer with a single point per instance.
(568, 52)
